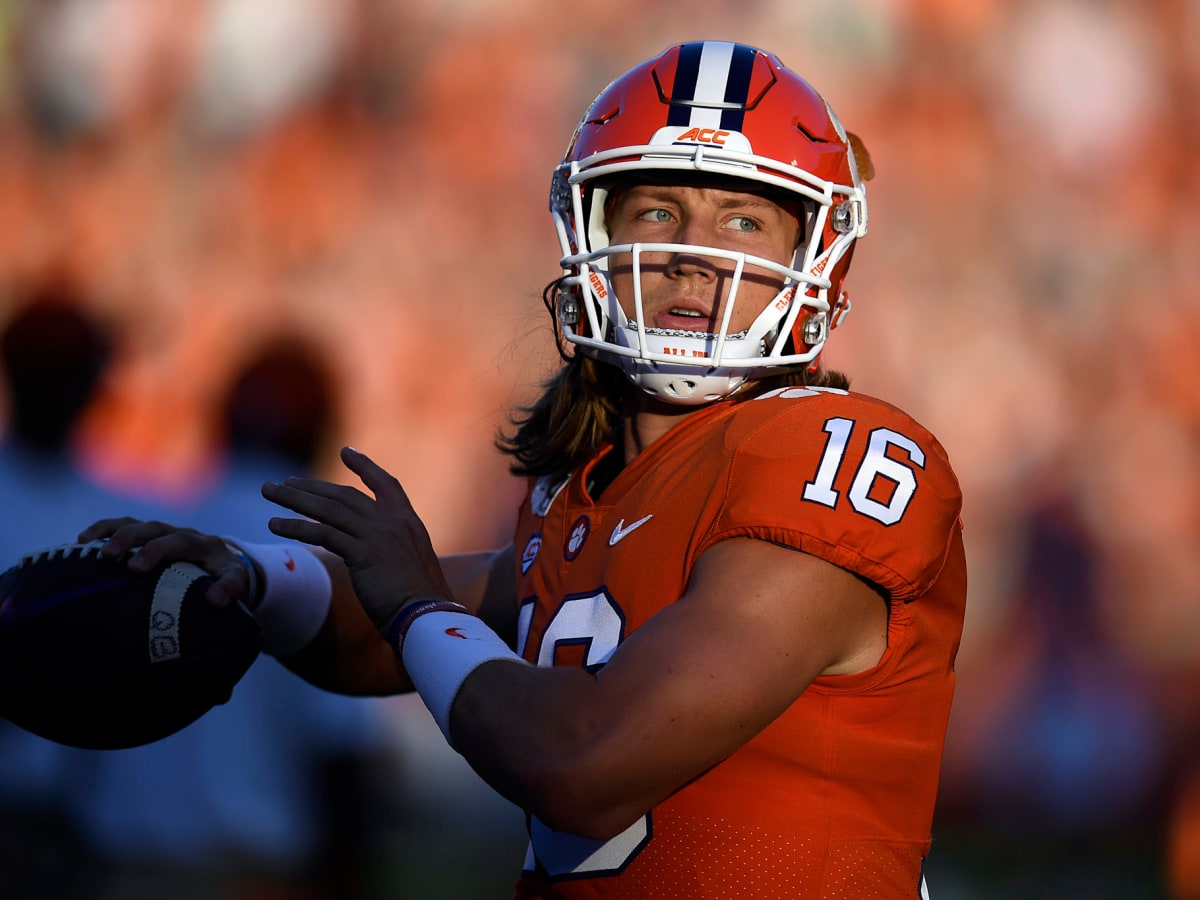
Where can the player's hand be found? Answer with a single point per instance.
(381, 538)
(158, 542)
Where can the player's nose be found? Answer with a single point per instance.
(691, 265)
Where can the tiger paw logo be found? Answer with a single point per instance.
(577, 537)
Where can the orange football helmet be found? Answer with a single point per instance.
(719, 109)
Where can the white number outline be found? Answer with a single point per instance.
(594, 621)
(875, 464)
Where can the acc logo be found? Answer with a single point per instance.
(577, 537)
(532, 548)
(704, 136)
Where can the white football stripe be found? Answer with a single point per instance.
(172, 585)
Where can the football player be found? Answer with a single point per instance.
(718, 658)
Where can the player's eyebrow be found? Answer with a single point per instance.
(725, 199)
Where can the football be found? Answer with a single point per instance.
(93, 655)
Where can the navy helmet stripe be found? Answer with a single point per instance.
(686, 75)
(737, 88)
(714, 77)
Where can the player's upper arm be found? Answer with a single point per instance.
(757, 624)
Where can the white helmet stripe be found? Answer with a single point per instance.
(710, 84)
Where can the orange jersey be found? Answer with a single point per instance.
(835, 798)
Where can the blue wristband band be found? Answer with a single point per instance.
(254, 595)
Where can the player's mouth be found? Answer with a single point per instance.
(684, 317)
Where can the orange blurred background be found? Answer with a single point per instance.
(373, 175)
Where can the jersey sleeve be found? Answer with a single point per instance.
(847, 478)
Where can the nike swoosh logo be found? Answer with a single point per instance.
(622, 530)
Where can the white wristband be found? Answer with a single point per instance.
(440, 650)
(294, 598)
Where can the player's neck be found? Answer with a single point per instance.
(647, 419)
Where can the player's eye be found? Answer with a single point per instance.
(744, 224)
(656, 215)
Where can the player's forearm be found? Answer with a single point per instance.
(347, 655)
(542, 737)
(314, 624)
(537, 737)
(483, 582)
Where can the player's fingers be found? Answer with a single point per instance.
(350, 497)
(318, 487)
(205, 550)
(132, 534)
(382, 483)
(344, 508)
(232, 584)
(313, 533)
(103, 528)
(303, 530)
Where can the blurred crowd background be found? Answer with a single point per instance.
(240, 233)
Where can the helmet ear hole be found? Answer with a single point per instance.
(815, 330)
(568, 309)
(843, 217)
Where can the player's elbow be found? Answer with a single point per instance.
(586, 801)
(587, 818)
